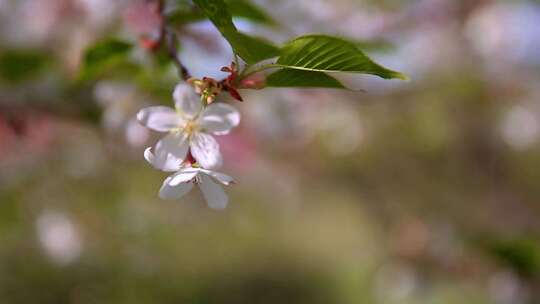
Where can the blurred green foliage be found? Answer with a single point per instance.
(523, 255)
(105, 56)
(21, 65)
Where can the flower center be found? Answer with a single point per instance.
(190, 127)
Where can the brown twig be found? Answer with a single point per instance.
(169, 40)
(172, 50)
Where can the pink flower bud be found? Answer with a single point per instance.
(255, 82)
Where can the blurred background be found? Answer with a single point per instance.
(424, 191)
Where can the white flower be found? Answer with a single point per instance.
(181, 182)
(188, 125)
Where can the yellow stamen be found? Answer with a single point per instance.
(190, 127)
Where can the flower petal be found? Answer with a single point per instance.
(219, 118)
(220, 177)
(214, 194)
(159, 118)
(149, 156)
(186, 100)
(169, 152)
(168, 192)
(183, 176)
(205, 150)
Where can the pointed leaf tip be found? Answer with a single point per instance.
(325, 53)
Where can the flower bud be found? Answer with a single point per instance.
(255, 82)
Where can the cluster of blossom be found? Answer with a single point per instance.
(189, 149)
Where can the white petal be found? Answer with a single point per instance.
(214, 194)
(169, 192)
(219, 118)
(220, 177)
(205, 150)
(169, 152)
(149, 156)
(186, 100)
(159, 118)
(183, 176)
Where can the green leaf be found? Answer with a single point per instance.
(249, 11)
(19, 65)
(184, 16)
(302, 79)
(218, 12)
(245, 9)
(330, 54)
(103, 56)
(251, 49)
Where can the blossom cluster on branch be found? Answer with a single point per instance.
(189, 149)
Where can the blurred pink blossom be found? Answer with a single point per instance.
(29, 134)
(239, 149)
(143, 18)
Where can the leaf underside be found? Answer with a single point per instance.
(302, 79)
